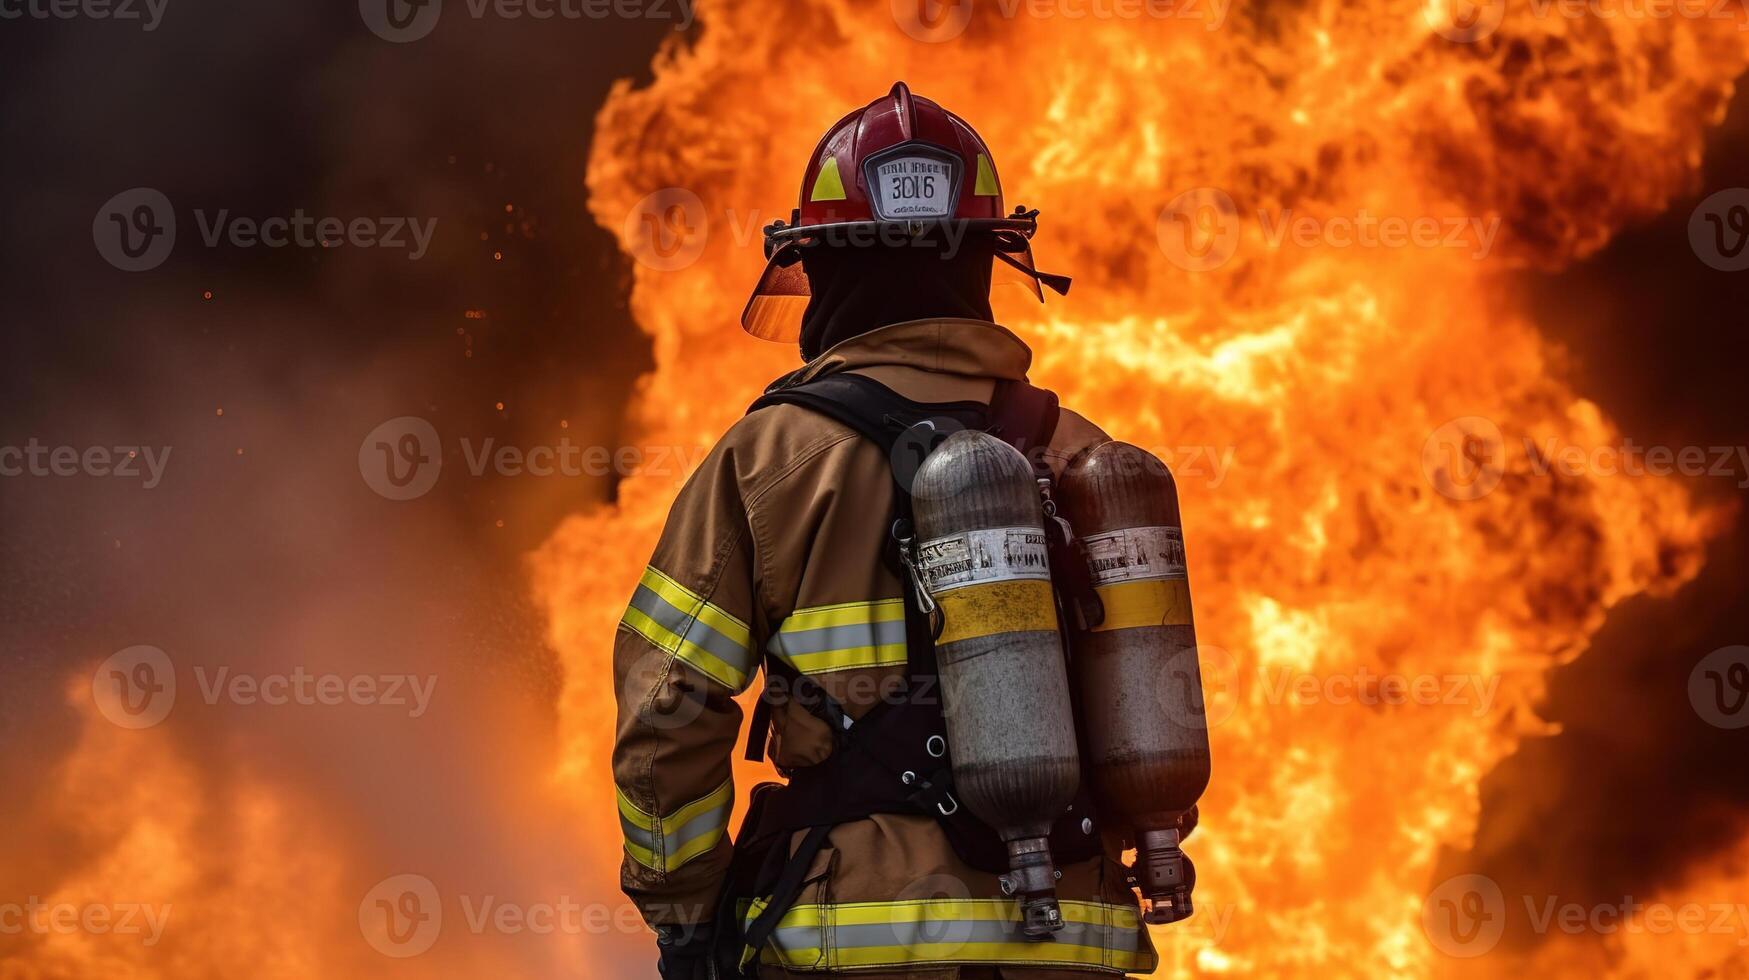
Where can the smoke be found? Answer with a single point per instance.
(265, 551)
(264, 554)
(1637, 790)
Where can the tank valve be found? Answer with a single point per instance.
(1165, 875)
(1032, 880)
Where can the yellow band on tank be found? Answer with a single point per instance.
(1151, 602)
(989, 608)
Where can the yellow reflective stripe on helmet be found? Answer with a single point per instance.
(1149, 602)
(1011, 606)
(828, 186)
(667, 843)
(676, 619)
(820, 639)
(954, 931)
(986, 185)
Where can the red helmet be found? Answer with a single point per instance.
(897, 169)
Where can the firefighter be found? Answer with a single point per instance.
(787, 551)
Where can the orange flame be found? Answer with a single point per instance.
(1346, 538)
(1333, 542)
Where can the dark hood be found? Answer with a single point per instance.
(858, 289)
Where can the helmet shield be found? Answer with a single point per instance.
(774, 311)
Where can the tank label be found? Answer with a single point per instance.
(1132, 554)
(997, 554)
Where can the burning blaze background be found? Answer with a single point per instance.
(1342, 540)
(1356, 432)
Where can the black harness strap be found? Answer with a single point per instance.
(788, 887)
(880, 415)
(1026, 418)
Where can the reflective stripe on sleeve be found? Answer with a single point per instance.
(821, 639)
(680, 621)
(667, 843)
(954, 931)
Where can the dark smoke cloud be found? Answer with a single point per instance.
(1638, 791)
(264, 549)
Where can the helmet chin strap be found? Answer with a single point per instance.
(1058, 284)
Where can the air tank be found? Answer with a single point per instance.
(1138, 686)
(982, 562)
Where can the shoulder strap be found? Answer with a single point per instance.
(873, 410)
(1021, 414)
(1026, 418)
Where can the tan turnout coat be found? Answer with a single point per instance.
(773, 549)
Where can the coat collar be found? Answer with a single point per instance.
(977, 348)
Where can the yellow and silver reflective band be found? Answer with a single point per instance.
(680, 621)
(820, 639)
(953, 931)
(1140, 576)
(666, 843)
